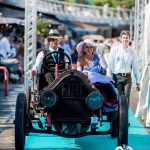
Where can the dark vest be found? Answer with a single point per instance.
(46, 76)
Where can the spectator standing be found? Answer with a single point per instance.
(39, 44)
(121, 58)
(105, 8)
(13, 47)
(106, 57)
(124, 9)
(65, 46)
(115, 42)
(5, 50)
(45, 43)
(20, 50)
(118, 12)
(72, 45)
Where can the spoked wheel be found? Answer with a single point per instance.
(20, 121)
(28, 101)
(123, 121)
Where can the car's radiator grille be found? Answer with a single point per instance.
(72, 86)
(71, 108)
(71, 92)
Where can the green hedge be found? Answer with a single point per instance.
(115, 3)
(111, 3)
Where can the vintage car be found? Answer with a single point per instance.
(71, 106)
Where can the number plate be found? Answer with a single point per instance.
(94, 120)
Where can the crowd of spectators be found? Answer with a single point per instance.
(11, 46)
(12, 55)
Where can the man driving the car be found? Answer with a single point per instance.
(47, 76)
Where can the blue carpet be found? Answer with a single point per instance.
(138, 140)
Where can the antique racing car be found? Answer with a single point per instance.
(72, 106)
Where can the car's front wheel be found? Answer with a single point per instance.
(20, 121)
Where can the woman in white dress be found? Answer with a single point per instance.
(89, 63)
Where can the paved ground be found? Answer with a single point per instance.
(133, 105)
(7, 111)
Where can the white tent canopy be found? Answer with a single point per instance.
(5, 20)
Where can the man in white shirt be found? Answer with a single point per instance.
(38, 69)
(122, 60)
(5, 50)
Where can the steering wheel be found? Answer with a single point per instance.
(57, 61)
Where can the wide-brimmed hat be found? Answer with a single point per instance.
(87, 42)
(54, 34)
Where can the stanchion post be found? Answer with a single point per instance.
(6, 79)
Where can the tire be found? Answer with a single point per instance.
(28, 101)
(20, 121)
(123, 121)
(114, 130)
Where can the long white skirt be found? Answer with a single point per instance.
(143, 108)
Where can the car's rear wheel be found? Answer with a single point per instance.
(20, 121)
(123, 121)
(28, 101)
(114, 130)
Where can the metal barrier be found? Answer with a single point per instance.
(6, 79)
(66, 11)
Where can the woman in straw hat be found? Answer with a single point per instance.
(89, 63)
(88, 56)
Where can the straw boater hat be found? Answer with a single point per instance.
(87, 42)
(53, 34)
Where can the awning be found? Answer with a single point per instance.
(94, 37)
(5, 20)
(77, 28)
(86, 26)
